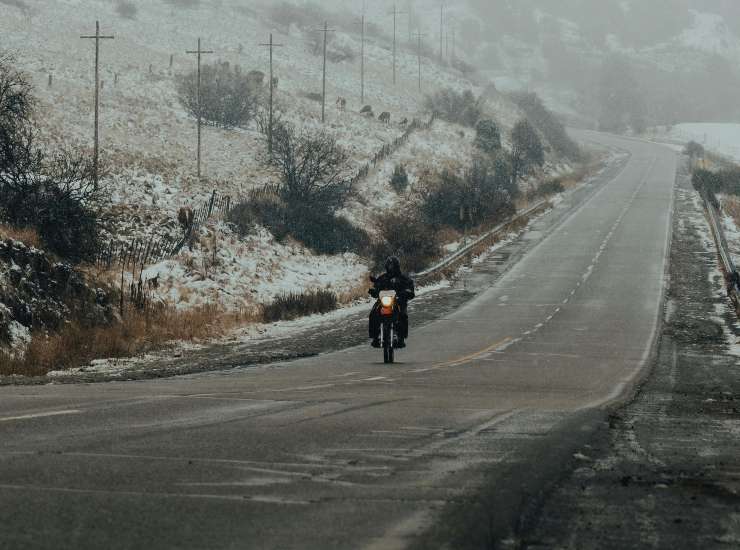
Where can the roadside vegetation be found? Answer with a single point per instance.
(286, 307)
(229, 98)
(50, 201)
(136, 333)
(43, 187)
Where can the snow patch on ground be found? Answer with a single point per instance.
(243, 272)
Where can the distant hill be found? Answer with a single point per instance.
(681, 54)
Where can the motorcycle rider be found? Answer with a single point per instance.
(392, 279)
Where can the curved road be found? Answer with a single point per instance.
(340, 450)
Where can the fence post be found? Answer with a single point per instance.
(210, 204)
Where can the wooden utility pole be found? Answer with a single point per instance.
(453, 44)
(362, 60)
(272, 46)
(441, 32)
(96, 153)
(199, 52)
(326, 30)
(395, 13)
(418, 49)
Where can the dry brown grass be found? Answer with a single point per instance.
(448, 235)
(26, 235)
(138, 332)
(357, 291)
(731, 206)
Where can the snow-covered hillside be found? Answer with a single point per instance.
(148, 139)
(710, 33)
(563, 49)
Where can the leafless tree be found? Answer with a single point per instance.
(16, 105)
(313, 168)
(54, 192)
(229, 98)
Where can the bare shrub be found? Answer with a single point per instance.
(315, 182)
(731, 206)
(460, 108)
(314, 168)
(483, 195)
(294, 305)
(317, 228)
(16, 106)
(53, 192)
(407, 236)
(694, 150)
(27, 235)
(229, 98)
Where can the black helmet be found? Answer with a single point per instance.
(393, 265)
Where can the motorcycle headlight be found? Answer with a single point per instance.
(387, 301)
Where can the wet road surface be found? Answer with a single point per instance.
(339, 450)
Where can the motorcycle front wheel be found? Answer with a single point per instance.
(388, 355)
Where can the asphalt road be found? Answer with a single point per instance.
(341, 451)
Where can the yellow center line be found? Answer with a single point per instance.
(468, 358)
(39, 415)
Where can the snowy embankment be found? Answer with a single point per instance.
(148, 139)
(244, 272)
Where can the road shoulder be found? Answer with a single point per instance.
(662, 471)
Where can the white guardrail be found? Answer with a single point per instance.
(463, 252)
(732, 277)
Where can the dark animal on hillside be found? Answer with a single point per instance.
(341, 103)
(404, 122)
(185, 216)
(367, 110)
(153, 282)
(385, 117)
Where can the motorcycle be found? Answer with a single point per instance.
(389, 313)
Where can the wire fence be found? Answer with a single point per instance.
(143, 251)
(156, 248)
(391, 148)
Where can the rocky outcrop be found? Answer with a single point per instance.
(37, 293)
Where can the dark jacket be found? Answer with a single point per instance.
(403, 285)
